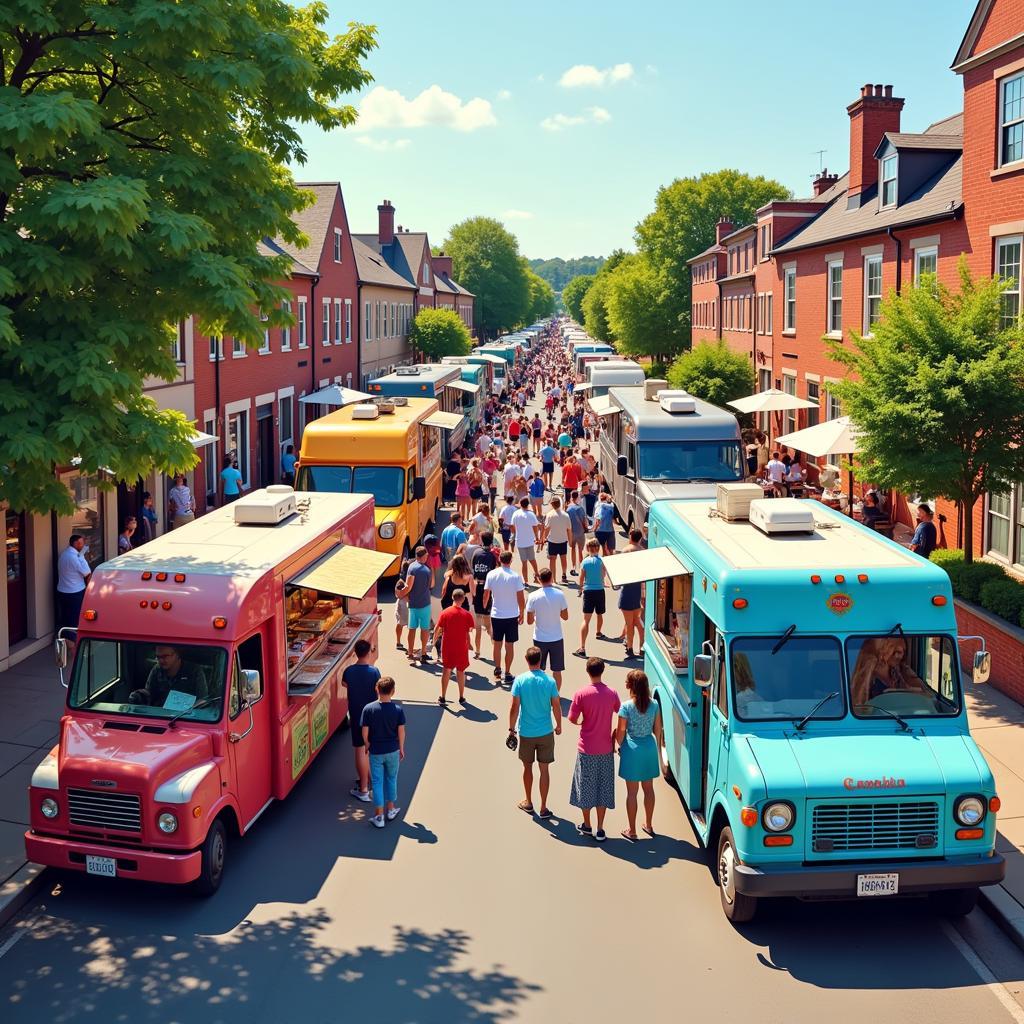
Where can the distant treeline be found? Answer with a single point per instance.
(558, 272)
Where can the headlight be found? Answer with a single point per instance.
(167, 823)
(49, 808)
(778, 817)
(386, 531)
(969, 810)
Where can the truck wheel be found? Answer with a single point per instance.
(954, 902)
(214, 852)
(738, 906)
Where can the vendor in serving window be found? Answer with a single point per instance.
(882, 666)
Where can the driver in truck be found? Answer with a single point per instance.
(882, 665)
(170, 675)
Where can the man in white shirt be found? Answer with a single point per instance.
(483, 442)
(546, 609)
(527, 530)
(73, 574)
(776, 470)
(512, 470)
(557, 527)
(503, 592)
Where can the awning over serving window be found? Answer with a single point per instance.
(641, 566)
(585, 386)
(444, 420)
(602, 405)
(347, 572)
(463, 385)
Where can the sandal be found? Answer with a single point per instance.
(579, 653)
(650, 832)
(545, 813)
(524, 806)
(630, 837)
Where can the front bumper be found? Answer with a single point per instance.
(837, 880)
(146, 865)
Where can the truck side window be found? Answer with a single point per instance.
(721, 690)
(631, 458)
(410, 477)
(248, 656)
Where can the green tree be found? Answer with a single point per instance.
(938, 393)
(542, 298)
(595, 302)
(714, 372)
(440, 332)
(558, 272)
(639, 316)
(573, 294)
(485, 259)
(682, 225)
(142, 147)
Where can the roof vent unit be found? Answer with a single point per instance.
(782, 515)
(677, 402)
(407, 371)
(387, 407)
(652, 387)
(398, 401)
(267, 507)
(733, 500)
(365, 412)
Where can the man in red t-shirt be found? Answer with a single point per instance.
(513, 429)
(572, 474)
(454, 625)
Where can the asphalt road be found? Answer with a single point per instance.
(466, 909)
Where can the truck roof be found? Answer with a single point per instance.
(653, 423)
(414, 376)
(320, 438)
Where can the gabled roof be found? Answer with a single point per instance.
(268, 247)
(707, 252)
(968, 56)
(974, 27)
(747, 228)
(952, 125)
(441, 277)
(373, 268)
(392, 254)
(414, 244)
(314, 221)
(926, 140)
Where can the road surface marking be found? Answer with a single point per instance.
(9, 944)
(990, 981)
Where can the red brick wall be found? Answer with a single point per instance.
(705, 311)
(1006, 645)
(741, 295)
(1003, 22)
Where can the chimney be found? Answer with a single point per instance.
(823, 181)
(876, 112)
(722, 228)
(442, 264)
(398, 230)
(386, 223)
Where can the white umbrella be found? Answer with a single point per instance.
(336, 395)
(833, 437)
(771, 400)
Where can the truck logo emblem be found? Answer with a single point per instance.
(886, 782)
(104, 783)
(839, 603)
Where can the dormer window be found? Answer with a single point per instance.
(1011, 120)
(890, 167)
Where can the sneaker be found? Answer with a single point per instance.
(360, 794)
(584, 830)
(573, 572)
(394, 813)
(377, 821)
(497, 674)
(600, 836)
(565, 579)
(601, 636)
(509, 678)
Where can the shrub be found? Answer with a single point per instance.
(952, 560)
(974, 575)
(1003, 597)
(656, 371)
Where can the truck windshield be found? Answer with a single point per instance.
(134, 677)
(906, 674)
(690, 460)
(385, 483)
(789, 683)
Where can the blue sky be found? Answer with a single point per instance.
(472, 110)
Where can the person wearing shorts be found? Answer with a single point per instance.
(527, 529)
(546, 610)
(416, 587)
(536, 713)
(482, 559)
(503, 594)
(604, 523)
(547, 464)
(505, 521)
(591, 587)
(360, 683)
(578, 537)
(557, 528)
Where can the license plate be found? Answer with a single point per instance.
(878, 885)
(106, 866)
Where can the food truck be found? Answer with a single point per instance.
(205, 682)
(388, 448)
(810, 680)
(602, 376)
(486, 377)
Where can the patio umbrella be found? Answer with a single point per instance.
(833, 437)
(335, 395)
(771, 400)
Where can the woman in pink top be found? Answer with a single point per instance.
(593, 779)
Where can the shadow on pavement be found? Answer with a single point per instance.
(644, 853)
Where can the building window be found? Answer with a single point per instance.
(426, 273)
(789, 386)
(764, 383)
(303, 340)
(386, 333)
(348, 321)
(367, 322)
(1008, 253)
(394, 319)
(178, 348)
(325, 326)
(376, 320)
(790, 309)
(285, 420)
(890, 166)
(216, 348)
(813, 395)
(872, 291)
(286, 331)
(238, 442)
(210, 457)
(265, 344)
(926, 261)
(1011, 126)
(337, 245)
(1000, 507)
(835, 297)
(237, 348)
(89, 517)
(337, 321)
(833, 410)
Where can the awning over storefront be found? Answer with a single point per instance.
(641, 566)
(602, 405)
(201, 440)
(444, 420)
(347, 572)
(585, 386)
(463, 385)
(487, 355)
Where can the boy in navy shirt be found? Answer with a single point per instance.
(383, 727)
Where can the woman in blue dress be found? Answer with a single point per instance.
(638, 738)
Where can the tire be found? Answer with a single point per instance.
(738, 907)
(954, 902)
(214, 853)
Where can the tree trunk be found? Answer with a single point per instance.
(967, 505)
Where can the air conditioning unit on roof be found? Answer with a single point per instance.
(407, 371)
(733, 500)
(399, 401)
(365, 412)
(267, 507)
(782, 515)
(677, 402)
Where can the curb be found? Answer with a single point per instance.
(1004, 910)
(19, 889)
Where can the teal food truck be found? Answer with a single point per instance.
(810, 680)
(431, 380)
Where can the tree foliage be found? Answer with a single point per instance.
(558, 272)
(638, 314)
(682, 225)
(440, 332)
(542, 299)
(938, 393)
(485, 259)
(141, 161)
(714, 372)
(573, 294)
(595, 302)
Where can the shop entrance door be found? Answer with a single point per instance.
(266, 463)
(17, 591)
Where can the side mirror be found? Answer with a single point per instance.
(982, 667)
(622, 465)
(703, 670)
(250, 685)
(60, 652)
(419, 488)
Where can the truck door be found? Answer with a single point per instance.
(718, 727)
(628, 485)
(249, 729)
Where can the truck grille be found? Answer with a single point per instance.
(111, 812)
(836, 828)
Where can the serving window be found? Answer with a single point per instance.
(319, 630)
(673, 595)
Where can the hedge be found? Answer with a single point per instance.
(983, 583)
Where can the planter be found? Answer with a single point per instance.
(1002, 638)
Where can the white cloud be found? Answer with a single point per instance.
(388, 108)
(504, 94)
(594, 115)
(583, 75)
(382, 145)
(517, 215)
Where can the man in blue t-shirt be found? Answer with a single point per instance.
(231, 485)
(534, 703)
(604, 523)
(360, 682)
(591, 587)
(416, 587)
(383, 727)
(547, 464)
(452, 537)
(925, 538)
